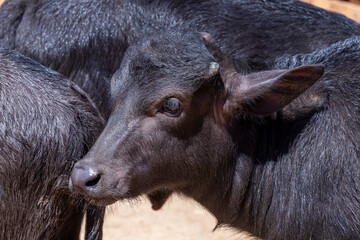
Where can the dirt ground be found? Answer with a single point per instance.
(179, 219)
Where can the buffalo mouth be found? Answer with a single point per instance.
(97, 195)
(159, 197)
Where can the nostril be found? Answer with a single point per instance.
(94, 181)
(83, 178)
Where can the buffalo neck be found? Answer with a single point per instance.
(246, 195)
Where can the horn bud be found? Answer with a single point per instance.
(213, 69)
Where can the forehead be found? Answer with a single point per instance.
(166, 61)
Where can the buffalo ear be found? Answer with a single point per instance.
(264, 93)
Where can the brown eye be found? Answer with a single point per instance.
(172, 107)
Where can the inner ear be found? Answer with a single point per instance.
(304, 105)
(267, 92)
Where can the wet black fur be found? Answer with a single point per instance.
(47, 123)
(304, 178)
(86, 40)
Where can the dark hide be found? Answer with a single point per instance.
(258, 154)
(86, 40)
(47, 123)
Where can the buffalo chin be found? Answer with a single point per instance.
(101, 202)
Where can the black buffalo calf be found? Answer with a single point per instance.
(47, 123)
(275, 153)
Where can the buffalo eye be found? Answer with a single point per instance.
(172, 107)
